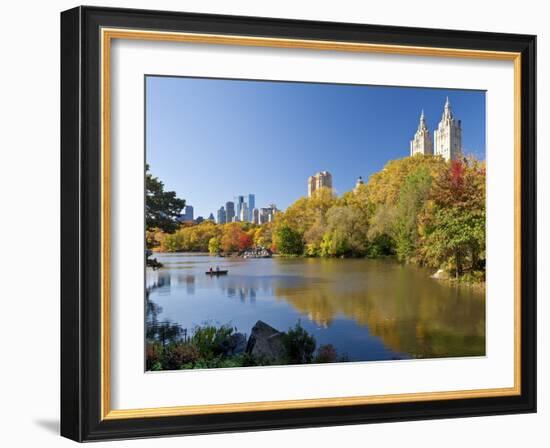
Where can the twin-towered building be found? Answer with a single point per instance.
(447, 140)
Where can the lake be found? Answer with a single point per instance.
(367, 309)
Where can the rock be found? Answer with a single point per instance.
(234, 344)
(265, 342)
(440, 274)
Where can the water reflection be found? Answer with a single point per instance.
(367, 309)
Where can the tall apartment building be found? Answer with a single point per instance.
(222, 215)
(229, 211)
(239, 201)
(448, 135)
(251, 203)
(422, 141)
(447, 140)
(187, 214)
(243, 214)
(317, 181)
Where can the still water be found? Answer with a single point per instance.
(367, 309)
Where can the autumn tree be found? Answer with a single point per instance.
(454, 222)
(346, 232)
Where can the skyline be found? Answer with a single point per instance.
(206, 138)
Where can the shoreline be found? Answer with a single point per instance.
(450, 281)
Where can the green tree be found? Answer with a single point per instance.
(456, 239)
(346, 232)
(412, 197)
(289, 241)
(162, 208)
(299, 345)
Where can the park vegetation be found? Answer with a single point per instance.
(419, 209)
(169, 347)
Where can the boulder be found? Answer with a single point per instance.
(440, 274)
(265, 342)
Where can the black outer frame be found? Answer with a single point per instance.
(80, 223)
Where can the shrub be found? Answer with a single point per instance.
(153, 355)
(209, 339)
(299, 345)
(179, 354)
(326, 353)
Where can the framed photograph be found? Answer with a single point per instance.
(273, 223)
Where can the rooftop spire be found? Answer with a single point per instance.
(422, 123)
(447, 114)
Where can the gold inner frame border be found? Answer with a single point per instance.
(107, 35)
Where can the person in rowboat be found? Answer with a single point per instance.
(211, 269)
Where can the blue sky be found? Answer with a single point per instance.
(213, 139)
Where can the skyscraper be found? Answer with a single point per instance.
(256, 216)
(222, 215)
(187, 214)
(211, 217)
(448, 135)
(422, 142)
(239, 201)
(317, 181)
(229, 211)
(251, 206)
(267, 214)
(243, 215)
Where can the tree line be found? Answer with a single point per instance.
(419, 209)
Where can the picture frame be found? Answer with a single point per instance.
(86, 175)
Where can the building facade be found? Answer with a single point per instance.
(187, 214)
(317, 181)
(239, 201)
(256, 216)
(251, 204)
(447, 141)
(358, 183)
(448, 135)
(422, 141)
(243, 213)
(229, 211)
(222, 215)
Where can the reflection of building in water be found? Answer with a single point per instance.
(185, 279)
(320, 321)
(190, 284)
(245, 290)
(163, 282)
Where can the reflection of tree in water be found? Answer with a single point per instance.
(165, 331)
(410, 314)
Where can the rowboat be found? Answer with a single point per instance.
(216, 272)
